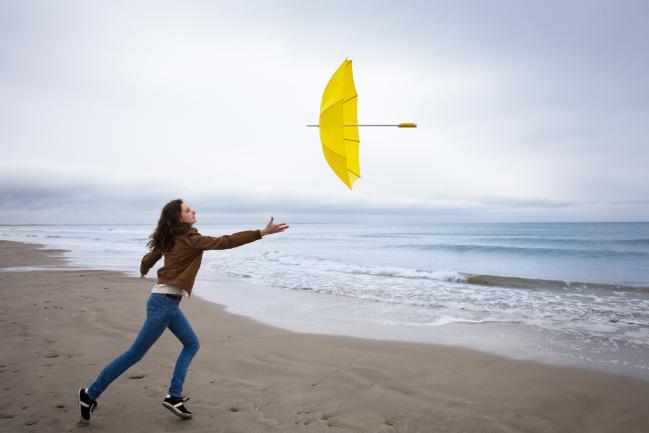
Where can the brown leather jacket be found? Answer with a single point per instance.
(183, 261)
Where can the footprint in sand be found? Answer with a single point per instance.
(24, 330)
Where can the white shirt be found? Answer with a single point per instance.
(168, 288)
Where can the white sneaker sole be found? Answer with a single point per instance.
(175, 411)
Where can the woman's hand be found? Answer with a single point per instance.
(142, 276)
(273, 228)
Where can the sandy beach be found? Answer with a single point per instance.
(62, 326)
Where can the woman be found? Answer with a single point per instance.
(182, 246)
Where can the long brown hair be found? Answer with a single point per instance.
(162, 237)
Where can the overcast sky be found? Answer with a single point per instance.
(527, 111)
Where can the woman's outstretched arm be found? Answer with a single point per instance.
(201, 243)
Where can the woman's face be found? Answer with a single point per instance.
(187, 214)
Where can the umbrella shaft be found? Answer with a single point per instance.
(317, 126)
(365, 124)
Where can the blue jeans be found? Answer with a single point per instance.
(162, 312)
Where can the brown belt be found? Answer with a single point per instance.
(176, 297)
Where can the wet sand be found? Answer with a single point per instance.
(61, 327)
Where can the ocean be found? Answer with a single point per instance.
(564, 293)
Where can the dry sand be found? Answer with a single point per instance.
(60, 328)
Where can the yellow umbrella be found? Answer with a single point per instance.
(339, 125)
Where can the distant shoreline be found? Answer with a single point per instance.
(342, 223)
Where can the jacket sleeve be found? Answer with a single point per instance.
(201, 243)
(149, 260)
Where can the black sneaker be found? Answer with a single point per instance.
(86, 405)
(175, 404)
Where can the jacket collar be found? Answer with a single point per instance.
(183, 229)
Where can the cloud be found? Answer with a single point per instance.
(48, 196)
(529, 111)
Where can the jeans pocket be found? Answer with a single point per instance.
(157, 311)
(156, 307)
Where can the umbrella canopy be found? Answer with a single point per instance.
(339, 125)
(339, 108)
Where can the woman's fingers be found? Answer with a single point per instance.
(280, 227)
(275, 228)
